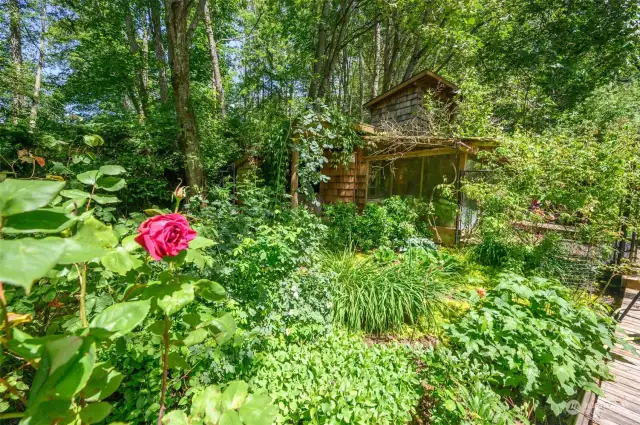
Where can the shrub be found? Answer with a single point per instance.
(540, 345)
(458, 392)
(339, 379)
(393, 223)
(382, 297)
(342, 218)
(300, 306)
(402, 219)
(373, 227)
(524, 252)
(261, 241)
(495, 248)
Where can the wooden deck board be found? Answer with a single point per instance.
(620, 404)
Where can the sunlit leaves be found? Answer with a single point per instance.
(200, 242)
(110, 184)
(92, 240)
(103, 382)
(210, 290)
(105, 199)
(224, 327)
(206, 405)
(175, 417)
(44, 220)
(120, 319)
(234, 406)
(197, 336)
(64, 369)
(258, 409)
(18, 196)
(95, 412)
(172, 297)
(89, 177)
(24, 260)
(112, 170)
(75, 194)
(93, 140)
(120, 261)
(234, 395)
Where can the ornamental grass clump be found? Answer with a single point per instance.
(378, 298)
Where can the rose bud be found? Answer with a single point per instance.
(180, 192)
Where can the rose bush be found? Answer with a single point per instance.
(165, 235)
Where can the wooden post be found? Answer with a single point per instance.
(295, 160)
(462, 163)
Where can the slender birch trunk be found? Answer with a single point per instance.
(216, 77)
(36, 89)
(16, 53)
(377, 57)
(159, 51)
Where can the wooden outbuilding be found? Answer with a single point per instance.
(401, 158)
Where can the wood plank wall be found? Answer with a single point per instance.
(346, 184)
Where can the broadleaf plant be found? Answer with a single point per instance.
(71, 382)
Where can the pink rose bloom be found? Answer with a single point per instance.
(165, 235)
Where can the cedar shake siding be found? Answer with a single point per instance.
(404, 103)
(346, 184)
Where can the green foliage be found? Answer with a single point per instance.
(300, 307)
(259, 243)
(379, 298)
(338, 379)
(343, 219)
(459, 391)
(316, 130)
(542, 348)
(234, 405)
(396, 223)
(71, 382)
(502, 246)
(373, 227)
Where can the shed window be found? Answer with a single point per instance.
(417, 177)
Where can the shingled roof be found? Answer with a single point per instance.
(425, 78)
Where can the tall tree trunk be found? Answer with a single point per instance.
(216, 77)
(179, 34)
(361, 83)
(418, 52)
(133, 99)
(335, 47)
(394, 43)
(16, 54)
(321, 42)
(134, 48)
(36, 88)
(345, 81)
(144, 60)
(159, 49)
(377, 57)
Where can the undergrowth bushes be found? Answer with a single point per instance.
(542, 348)
(459, 392)
(260, 240)
(504, 247)
(392, 223)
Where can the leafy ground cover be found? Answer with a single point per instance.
(126, 297)
(295, 334)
